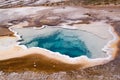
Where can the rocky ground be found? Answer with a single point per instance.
(20, 3)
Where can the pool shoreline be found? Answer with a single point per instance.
(69, 59)
(82, 60)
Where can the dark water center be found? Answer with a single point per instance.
(58, 41)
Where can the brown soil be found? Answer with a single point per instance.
(42, 63)
(4, 31)
(116, 25)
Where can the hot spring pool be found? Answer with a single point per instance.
(58, 41)
(73, 43)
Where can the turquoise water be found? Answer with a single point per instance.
(58, 41)
(71, 42)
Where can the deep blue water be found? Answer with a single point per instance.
(58, 41)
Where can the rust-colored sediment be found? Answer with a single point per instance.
(116, 25)
(35, 62)
(4, 31)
